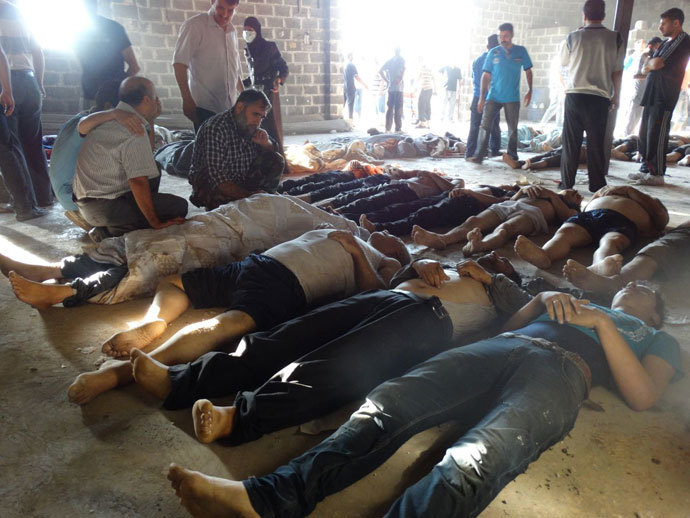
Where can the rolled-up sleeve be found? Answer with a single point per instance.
(137, 159)
(187, 41)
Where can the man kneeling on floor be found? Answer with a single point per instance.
(116, 180)
(258, 293)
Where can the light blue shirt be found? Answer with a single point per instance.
(63, 161)
(505, 67)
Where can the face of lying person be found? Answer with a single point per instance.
(571, 196)
(390, 246)
(640, 301)
(497, 264)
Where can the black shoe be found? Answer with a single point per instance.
(31, 214)
(474, 159)
(496, 153)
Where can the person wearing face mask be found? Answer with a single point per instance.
(233, 157)
(267, 72)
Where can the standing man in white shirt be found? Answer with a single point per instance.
(207, 62)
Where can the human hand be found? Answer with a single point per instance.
(588, 316)
(534, 191)
(346, 239)
(653, 64)
(260, 137)
(276, 85)
(129, 120)
(189, 108)
(7, 102)
(528, 98)
(471, 268)
(460, 191)
(169, 223)
(480, 106)
(430, 272)
(561, 306)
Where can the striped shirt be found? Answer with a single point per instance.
(425, 79)
(111, 156)
(15, 38)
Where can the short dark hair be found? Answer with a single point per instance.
(505, 27)
(251, 96)
(673, 14)
(133, 92)
(570, 205)
(492, 41)
(108, 92)
(655, 41)
(594, 9)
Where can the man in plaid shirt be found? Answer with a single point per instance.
(234, 158)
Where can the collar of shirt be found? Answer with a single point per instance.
(593, 26)
(129, 108)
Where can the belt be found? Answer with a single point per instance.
(575, 358)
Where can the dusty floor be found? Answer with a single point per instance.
(109, 458)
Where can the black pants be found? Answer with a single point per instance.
(424, 105)
(394, 111)
(654, 130)
(473, 136)
(388, 194)
(336, 188)
(432, 211)
(350, 102)
(202, 115)
(89, 277)
(584, 113)
(307, 183)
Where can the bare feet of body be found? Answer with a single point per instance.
(510, 161)
(212, 422)
(474, 242)
(34, 272)
(531, 253)
(205, 496)
(88, 385)
(39, 295)
(608, 266)
(150, 374)
(426, 238)
(120, 344)
(365, 223)
(584, 278)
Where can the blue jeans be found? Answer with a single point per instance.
(514, 395)
(475, 122)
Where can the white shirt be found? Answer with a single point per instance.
(213, 58)
(323, 267)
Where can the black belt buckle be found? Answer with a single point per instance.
(438, 309)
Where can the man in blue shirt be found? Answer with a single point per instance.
(476, 116)
(502, 73)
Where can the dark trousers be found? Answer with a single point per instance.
(307, 183)
(424, 105)
(584, 114)
(433, 211)
(511, 396)
(202, 115)
(336, 188)
(394, 111)
(512, 115)
(388, 194)
(475, 122)
(22, 160)
(90, 277)
(654, 131)
(123, 215)
(350, 102)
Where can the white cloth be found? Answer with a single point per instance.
(511, 208)
(213, 58)
(322, 266)
(228, 233)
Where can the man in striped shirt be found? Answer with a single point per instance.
(116, 180)
(426, 84)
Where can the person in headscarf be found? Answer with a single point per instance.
(267, 71)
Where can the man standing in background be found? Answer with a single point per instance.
(207, 62)
(476, 116)
(453, 83)
(393, 72)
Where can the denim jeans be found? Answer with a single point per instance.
(475, 122)
(514, 397)
(394, 110)
(90, 277)
(512, 115)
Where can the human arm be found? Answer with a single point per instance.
(128, 119)
(528, 95)
(130, 58)
(617, 78)
(6, 99)
(365, 275)
(39, 64)
(486, 81)
(430, 271)
(485, 199)
(653, 64)
(141, 190)
(534, 192)
(442, 183)
(657, 211)
(188, 104)
(361, 81)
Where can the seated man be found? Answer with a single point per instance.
(507, 219)
(334, 354)
(63, 159)
(131, 266)
(516, 395)
(667, 256)
(234, 158)
(258, 293)
(613, 219)
(116, 180)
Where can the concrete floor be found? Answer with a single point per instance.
(109, 457)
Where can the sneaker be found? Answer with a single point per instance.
(31, 214)
(76, 218)
(650, 179)
(637, 176)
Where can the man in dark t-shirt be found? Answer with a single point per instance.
(666, 68)
(453, 78)
(350, 74)
(103, 48)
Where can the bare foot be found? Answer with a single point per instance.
(510, 161)
(205, 496)
(120, 344)
(426, 238)
(365, 223)
(585, 279)
(608, 266)
(212, 422)
(88, 385)
(39, 295)
(527, 164)
(531, 253)
(474, 242)
(151, 375)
